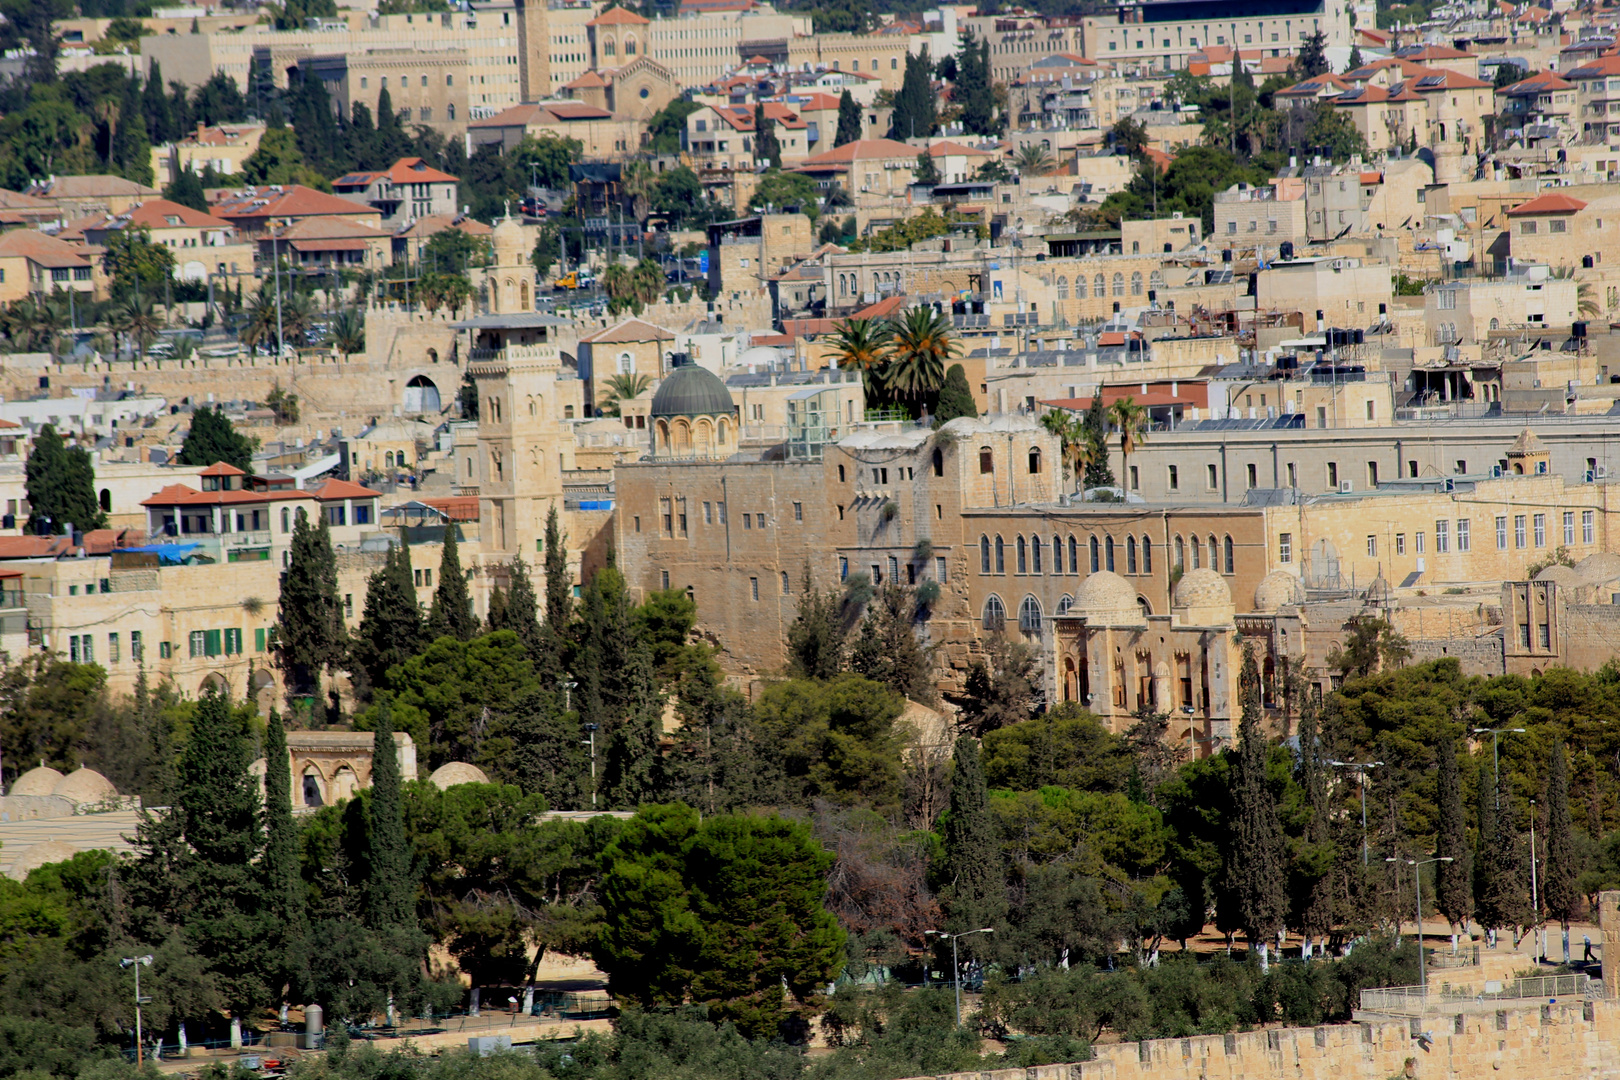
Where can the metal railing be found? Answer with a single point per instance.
(1416, 1000)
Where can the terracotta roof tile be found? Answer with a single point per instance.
(1549, 204)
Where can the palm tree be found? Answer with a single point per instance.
(919, 348)
(261, 322)
(616, 281)
(647, 281)
(134, 318)
(1131, 419)
(297, 315)
(1035, 160)
(622, 388)
(458, 292)
(349, 332)
(1078, 449)
(863, 344)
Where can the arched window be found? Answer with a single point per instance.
(1136, 283)
(1147, 556)
(1034, 554)
(1063, 287)
(984, 554)
(1130, 554)
(995, 615)
(939, 462)
(608, 48)
(1099, 286)
(1226, 546)
(1034, 460)
(1001, 556)
(1029, 617)
(1181, 556)
(1214, 555)
(286, 520)
(1065, 604)
(451, 109)
(630, 46)
(1119, 284)
(1156, 280)
(1074, 555)
(1095, 565)
(1197, 552)
(1057, 554)
(1023, 556)
(388, 460)
(1108, 553)
(1079, 286)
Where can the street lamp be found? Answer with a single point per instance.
(1361, 768)
(1417, 866)
(137, 963)
(591, 742)
(956, 966)
(1496, 757)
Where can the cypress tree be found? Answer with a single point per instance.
(497, 609)
(618, 690)
(955, 397)
(972, 87)
(925, 172)
(1498, 866)
(213, 438)
(887, 649)
(766, 146)
(1317, 857)
(914, 105)
(975, 881)
(159, 118)
(816, 638)
(390, 884)
(522, 615)
(130, 150)
(1254, 866)
(310, 634)
(559, 603)
(1454, 895)
(61, 484)
(1560, 892)
(452, 614)
(390, 630)
(849, 120)
(186, 188)
(284, 886)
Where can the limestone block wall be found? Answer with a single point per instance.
(1568, 1039)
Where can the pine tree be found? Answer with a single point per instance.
(212, 438)
(310, 635)
(284, 886)
(547, 756)
(975, 881)
(1318, 853)
(849, 120)
(61, 485)
(452, 614)
(1499, 899)
(972, 88)
(955, 397)
(155, 107)
(887, 649)
(390, 630)
(1254, 865)
(390, 882)
(1454, 894)
(1560, 893)
(914, 104)
(522, 615)
(766, 146)
(1312, 58)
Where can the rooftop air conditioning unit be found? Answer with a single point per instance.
(1346, 487)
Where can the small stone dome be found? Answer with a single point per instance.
(1277, 589)
(1596, 569)
(507, 240)
(1377, 592)
(691, 390)
(1202, 587)
(452, 773)
(1105, 597)
(40, 781)
(37, 855)
(1565, 577)
(85, 786)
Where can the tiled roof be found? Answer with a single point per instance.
(328, 228)
(292, 201)
(628, 331)
(588, 81)
(1429, 53)
(617, 17)
(429, 224)
(33, 547)
(88, 187)
(1316, 86)
(155, 214)
(183, 495)
(411, 170)
(862, 149)
(1596, 69)
(220, 468)
(1540, 83)
(343, 489)
(942, 149)
(1549, 204)
(43, 250)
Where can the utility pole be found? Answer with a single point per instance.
(137, 963)
(1361, 769)
(1417, 884)
(1496, 754)
(956, 965)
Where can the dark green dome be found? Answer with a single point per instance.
(691, 390)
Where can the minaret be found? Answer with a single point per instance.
(534, 50)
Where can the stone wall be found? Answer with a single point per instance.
(1567, 1039)
(1478, 655)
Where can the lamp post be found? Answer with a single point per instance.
(590, 730)
(1417, 866)
(956, 966)
(1535, 899)
(1361, 769)
(137, 963)
(1496, 734)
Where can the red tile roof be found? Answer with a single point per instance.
(410, 170)
(588, 81)
(183, 495)
(862, 149)
(220, 468)
(941, 149)
(155, 214)
(43, 250)
(1539, 83)
(33, 547)
(343, 489)
(294, 201)
(617, 17)
(1549, 204)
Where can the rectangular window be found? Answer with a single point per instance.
(1211, 477)
(1588, 523)
(233, 641)
(137, 651)
(198, 643)
(1175, 479)
(1442, 537)
(1518, 531)
(894, 568)
(258, 640)
(940, 569)
(680, 507)
(1569, 528)
(1465, 542)
(663, 579)
(106, 585)
(1541, 530)
(760, 520)
(987, 462)
(708, 513)
(165, 650)
(748, 521)
(1400, 543)
(1418, 540)
(112, 649)
(753, 587)
(667, 516)
(1372, 547)
(720, 508)
(1372, 474)
(213, 643)
(1285, 547)
(335, 515)
(1252, 472)
(843, 568)
(1501, 532)
(362, 514)
(1333, 475)
(73, 648)
(798, 511)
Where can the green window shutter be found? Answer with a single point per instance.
(212, 639)
(258, 640)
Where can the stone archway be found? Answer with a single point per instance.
(421, 395)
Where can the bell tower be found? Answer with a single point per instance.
(534, 50)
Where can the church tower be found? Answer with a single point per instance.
(534, 50)
(511, 280)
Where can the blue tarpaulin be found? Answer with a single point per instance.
(168, 554)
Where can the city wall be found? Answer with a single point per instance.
(1568, 1039)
